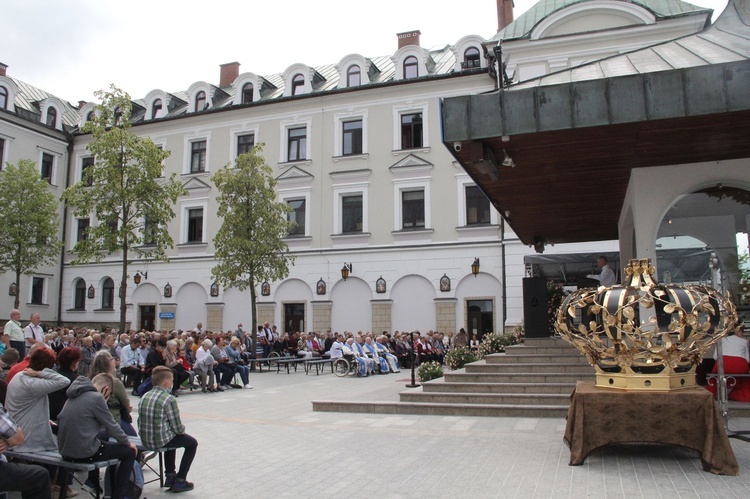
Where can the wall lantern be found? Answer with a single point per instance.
(475, 267)
(91, 292)
(138, 276)
(168, 291)
(346, 270)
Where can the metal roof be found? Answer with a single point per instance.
(524, 25)
(27, 102)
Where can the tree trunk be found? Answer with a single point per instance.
(17, 301)
(123, 286)
(254, 316)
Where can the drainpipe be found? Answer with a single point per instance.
(503, 275)
(64, 232)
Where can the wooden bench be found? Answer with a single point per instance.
(52, 458)
(320, 365)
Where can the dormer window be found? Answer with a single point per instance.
(3, 98)
(155, 108)
(411, 67)
(353, 76)
(200, 101)
(298, 84)
(247, 93)
(51, 117)
(90, 116)
(118, 116)
(471, 58)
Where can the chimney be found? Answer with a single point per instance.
(229, 72)
(3, 67)
(409, 38)
(504, 13)
(81, 103)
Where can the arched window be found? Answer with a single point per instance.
(200, 101)
(3, 98)
(79, 301)
(108, 293)
(298, 84)
(51, 116)
(118, 116)
(471, 58)
(247, 93)
(353, 76)
(411, 68)
(155, 108)
(90, 116)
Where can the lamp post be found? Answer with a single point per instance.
(413, 383)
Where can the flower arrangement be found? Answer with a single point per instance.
(430, 370)
(555, 296)
(496, 343)
(458, 357)
(520, 333)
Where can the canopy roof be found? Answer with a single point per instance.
(574, 136)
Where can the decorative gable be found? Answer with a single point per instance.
(196, 185)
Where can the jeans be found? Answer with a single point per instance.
(190, 445)
(31, 480)
(225, 372)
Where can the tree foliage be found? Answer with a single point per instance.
(249, 246)
(29, 222)
(124, 190)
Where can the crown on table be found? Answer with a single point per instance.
(659, 352)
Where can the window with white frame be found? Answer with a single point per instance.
(149, 232)
(2, 154)
(156, 108)
(195, 225)
(38, 291)
(108, 293)
(353, 76)
(351, 137)
(82, 227)
(298, 84)
(297, 144)
(411, 67)
(297, 215)
(79, 295)
(87, 165)
(351, 213)
(200, 101)
(47, 167)
(247, 93)
(245, 143)
(51, 117)
(412, 209)
(295, 140)
(477, 206)
(471, 58)
(3, 97)
(410, 127)
(198, 156)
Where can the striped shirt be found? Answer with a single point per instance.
(158, 418)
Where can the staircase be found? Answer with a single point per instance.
(530, 380)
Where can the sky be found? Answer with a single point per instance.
(75, 47)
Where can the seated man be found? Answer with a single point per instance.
(350, 350)
(160, 426)
(204, 367)
(372, 352)
(84, 414)
(131, 363)
(29, 479)
(359, 349)
(224, 366)
(382, 346)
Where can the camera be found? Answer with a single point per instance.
(457, 146)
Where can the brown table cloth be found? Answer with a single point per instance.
(688, 418)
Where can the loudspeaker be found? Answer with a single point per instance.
(535, 307)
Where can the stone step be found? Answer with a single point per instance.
(482, 367)
(549, 350)
(485, 398)
(473, 410)
(563, 358)
(464, 377)
(440, 385)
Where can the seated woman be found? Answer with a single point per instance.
(736, 354)
(225, 367)
(118, 403)
(178, 370)
(234, 352)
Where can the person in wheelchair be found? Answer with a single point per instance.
(352, 355)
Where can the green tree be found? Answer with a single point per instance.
(249, 246)
(125, 190)
(29, 222)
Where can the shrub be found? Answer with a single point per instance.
(430, 370)
(496, 343)
(458, 357)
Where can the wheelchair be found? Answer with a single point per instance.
(344, 366)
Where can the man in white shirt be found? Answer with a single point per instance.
(34, 333)
(607, 276)
(15, 333)
(131, 363)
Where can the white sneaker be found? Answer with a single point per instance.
(249, 386)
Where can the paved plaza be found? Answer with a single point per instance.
(267, 442)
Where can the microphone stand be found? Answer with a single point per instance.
(413, 383)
